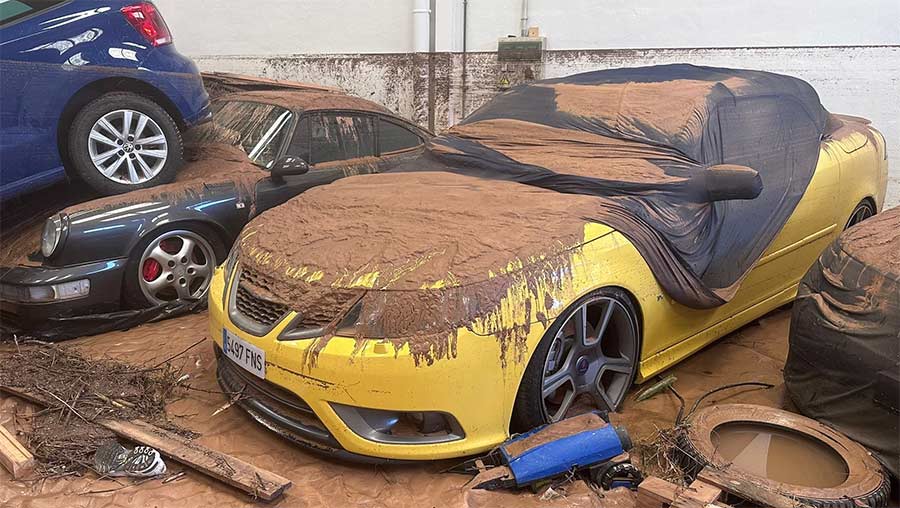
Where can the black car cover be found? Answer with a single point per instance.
(843, 367)
(667, 150)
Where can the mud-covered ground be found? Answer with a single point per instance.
(754, 353)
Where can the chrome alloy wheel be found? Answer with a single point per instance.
(127, 147)
(593, 353)
(176, 265)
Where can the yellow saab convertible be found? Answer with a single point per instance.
(571, 237)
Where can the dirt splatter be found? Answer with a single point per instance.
(417, 282)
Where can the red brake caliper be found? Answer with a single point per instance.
(151, 270)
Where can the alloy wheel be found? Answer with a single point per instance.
(593, 353)
(177, 265)
(127, 147)
(862, 212)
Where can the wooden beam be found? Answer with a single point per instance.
(655, 492)
(748, 490)
(231, 470)
(698, 494)
(14, 457)
(255, 481)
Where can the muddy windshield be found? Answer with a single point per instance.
(258, 129)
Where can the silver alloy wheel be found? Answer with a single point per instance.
(176, 265)
(862, 212)
(593, 353)
(127, 146)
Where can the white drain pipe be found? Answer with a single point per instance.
(422, 26)
(524, 19)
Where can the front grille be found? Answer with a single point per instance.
(259, 310)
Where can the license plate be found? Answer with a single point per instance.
(246, 355)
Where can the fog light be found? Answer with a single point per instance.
(45, 294)
(400, 427)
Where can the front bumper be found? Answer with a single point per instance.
(105, 279)
(306, 380)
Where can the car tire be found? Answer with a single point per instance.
(140, 271)
(530, 408)
(98, 134)
(694, 446)
(864, 210)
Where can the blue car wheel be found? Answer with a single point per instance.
(123, 141)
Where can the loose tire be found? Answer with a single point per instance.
(866, 483)
(123, 141)
(175, 263)
(600, 361)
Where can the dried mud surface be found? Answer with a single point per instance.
(206, 165)
(418, 280)
(875, 243)
(755, 353)
(573, 152)
(625, 106)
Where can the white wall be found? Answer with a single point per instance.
(270, 27)
(849, 51)
(601, 24)
(279, 27)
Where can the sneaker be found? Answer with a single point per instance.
(113, 459)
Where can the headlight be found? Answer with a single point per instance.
(50, 238)
(356, 324)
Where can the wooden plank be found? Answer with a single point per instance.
(231, 470)
(255, 481)
(14, 457)
(704, 492)
(655, 492)
(698, 494)
(748, 490)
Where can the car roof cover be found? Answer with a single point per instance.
(643, 140)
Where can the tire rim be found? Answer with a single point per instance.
(176, 266)
(127, 147)
(592, 353)
(862, 212)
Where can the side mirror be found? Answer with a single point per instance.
(289, 166)
(726, 182)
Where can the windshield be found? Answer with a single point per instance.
(256, 128)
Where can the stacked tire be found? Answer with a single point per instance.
(843, 368)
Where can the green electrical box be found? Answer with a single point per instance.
(520, 49)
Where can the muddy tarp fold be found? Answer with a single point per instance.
(699, 167)
(844, 362)
(65, 328)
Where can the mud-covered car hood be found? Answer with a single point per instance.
(427, 252)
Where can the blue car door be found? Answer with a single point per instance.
(39, 42)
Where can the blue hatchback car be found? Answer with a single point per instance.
(93, 90)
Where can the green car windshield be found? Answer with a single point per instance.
(257, 128)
